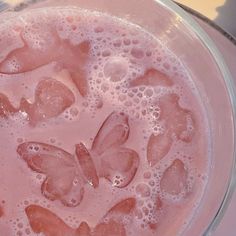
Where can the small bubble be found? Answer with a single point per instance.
(74, 111)
(19, 233)
(20, 225)
(27, 231)
(148, 92)
(106, 53)
(137, 53)
(127, 42)
(85, 104)
(151, 183)
(19, 140)
(135, 41)
(52, 140)
(166, 65)
(26, 203)
(140, 95)
(69, 19)
(143, 190)
(147, 175)
(98, 29)
(117, 43)
(39, 176)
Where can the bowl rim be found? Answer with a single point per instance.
(230, 85)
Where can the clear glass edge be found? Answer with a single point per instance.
(230, 85)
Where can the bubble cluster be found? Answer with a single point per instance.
(20, 224)
(71, 114)
(120, 56)
(168, 182)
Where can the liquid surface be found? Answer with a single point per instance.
(102, 129)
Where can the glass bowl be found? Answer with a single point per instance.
(186, 39)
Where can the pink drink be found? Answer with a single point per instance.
(103, 131)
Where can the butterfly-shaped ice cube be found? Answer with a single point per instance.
(66, 174)
(51, 98)
(45, 221)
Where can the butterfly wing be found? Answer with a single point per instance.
(119, 166)
(178, 120)
(124, 207)
(115, 163)
(64, 186)
(152, 77)
(63, 181)
(83, 230)
(158, 147)
(44, 221)
(51, 99)
(6, 108)
(113, 222)
(42, 157)
(109, 228)
(113, 132)
(87, 165)
(1, 211)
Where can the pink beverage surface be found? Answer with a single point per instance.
(102, 129)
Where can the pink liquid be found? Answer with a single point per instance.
(103, 132)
